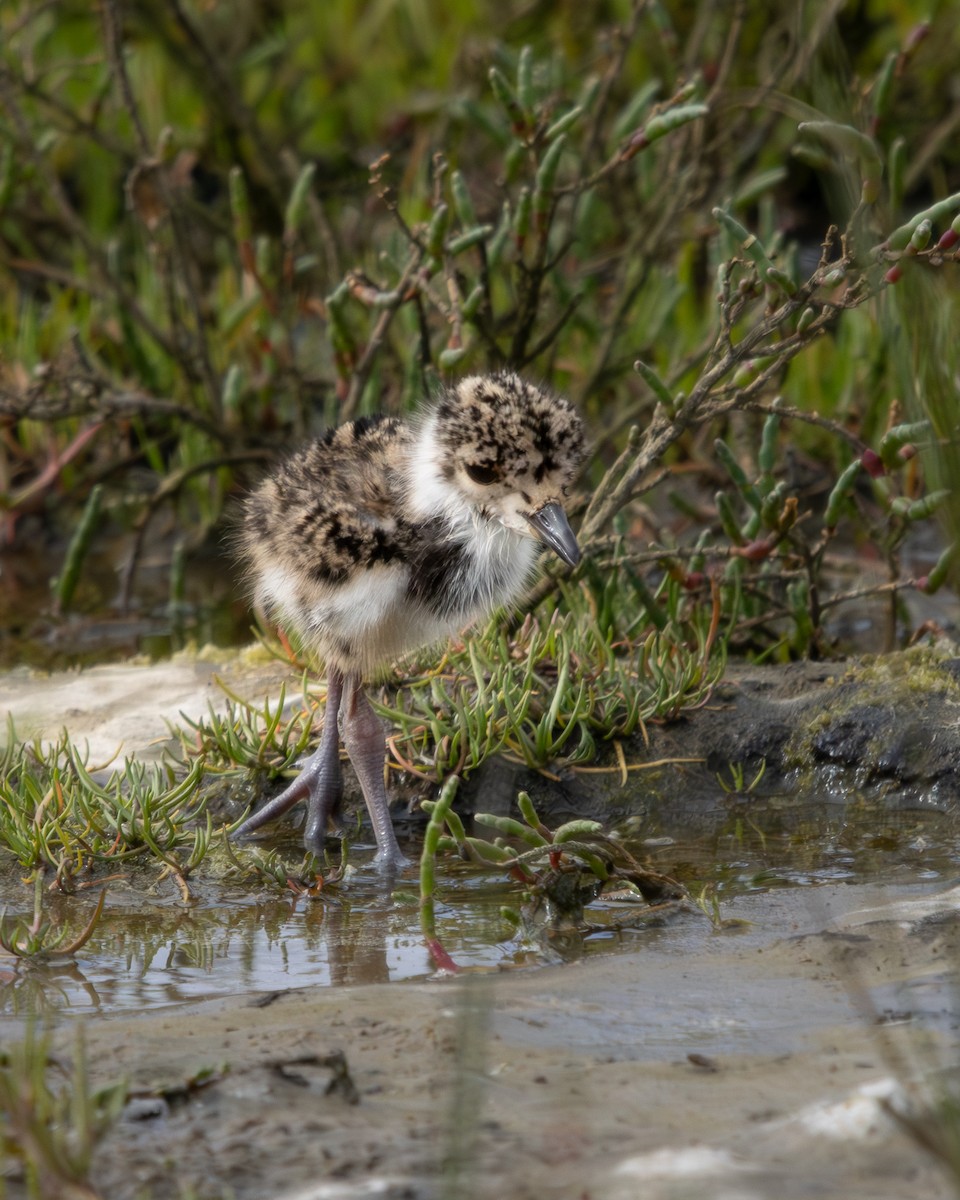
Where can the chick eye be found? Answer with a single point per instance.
(482, 475)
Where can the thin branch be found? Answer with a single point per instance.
(79, 397)
(361, 372)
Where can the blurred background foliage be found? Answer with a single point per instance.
(224, 226)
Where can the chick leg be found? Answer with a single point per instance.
(364, 740)
(319, 783)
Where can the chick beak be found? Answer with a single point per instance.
(551, 525)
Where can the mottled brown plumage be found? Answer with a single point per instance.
(333, 505)
(383, 536)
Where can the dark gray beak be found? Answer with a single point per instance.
(551, 525)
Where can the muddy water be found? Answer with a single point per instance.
(97, 627)
(150, 950)
(145, 956)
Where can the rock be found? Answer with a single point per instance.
(886, 726)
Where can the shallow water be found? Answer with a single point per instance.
(144, 956)
(152, 951)
(98, 628)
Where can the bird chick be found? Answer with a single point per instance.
(384, 536)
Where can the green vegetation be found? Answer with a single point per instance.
(731, 244)
(53, 1118)
(202, 270)
(562, 870)
(59, 816)
(590, 667)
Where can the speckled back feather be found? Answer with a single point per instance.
(334, 506)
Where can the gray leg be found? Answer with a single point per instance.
(319, 783)
(363, 738)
